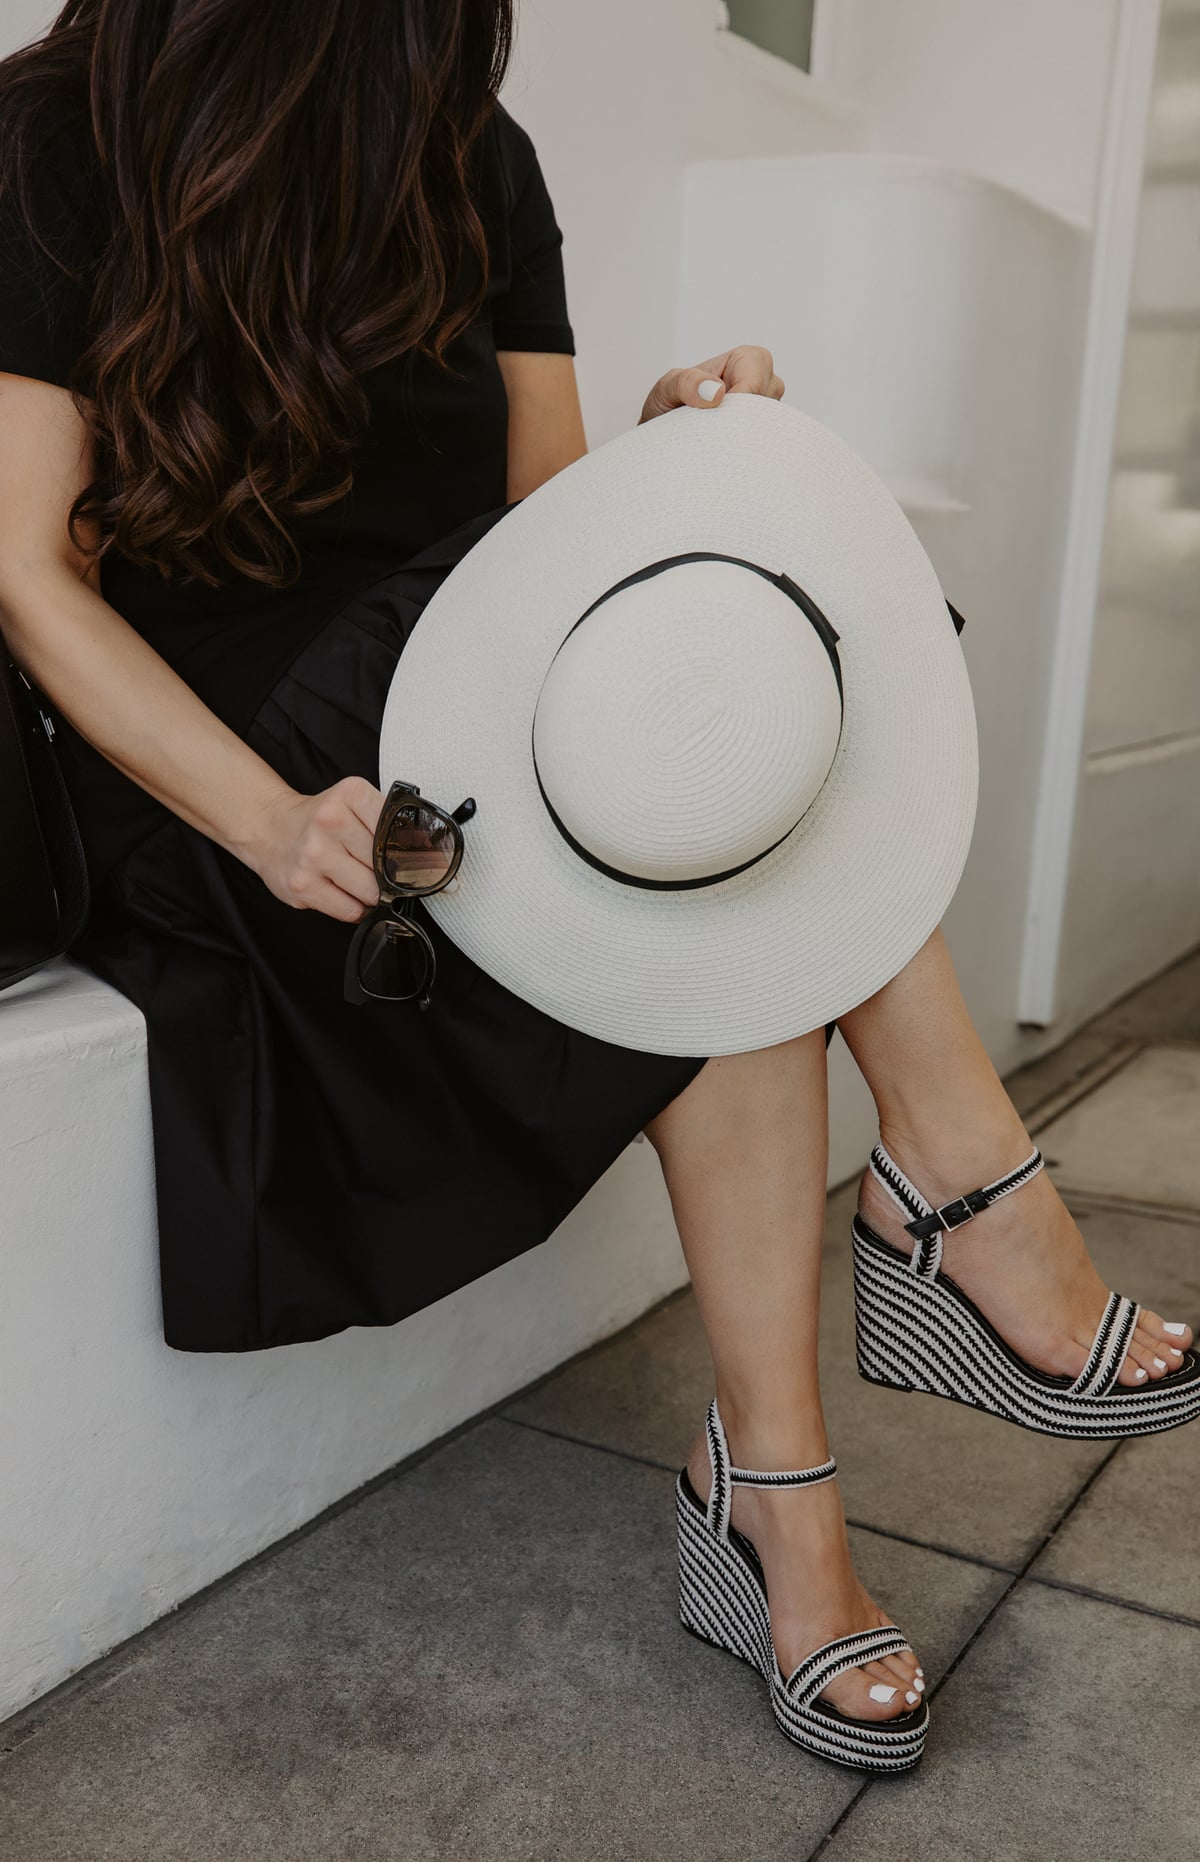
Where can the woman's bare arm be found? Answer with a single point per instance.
(119, 694)
(545, 421)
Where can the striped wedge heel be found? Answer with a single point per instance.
(917, 1330)
(723, 1600)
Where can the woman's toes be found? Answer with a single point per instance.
(1170, 1355)
(879, 1690)
(887, 1688)
(1172, 1337)
(1143, 1363)
(902, 1669)
(864, 1696)
(913, 1676)
(874, 1696)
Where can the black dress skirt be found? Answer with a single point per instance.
(320, 1164)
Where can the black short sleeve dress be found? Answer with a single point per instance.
(320, 1165)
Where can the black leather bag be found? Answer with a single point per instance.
(43, 872)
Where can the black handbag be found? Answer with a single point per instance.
(43, 872)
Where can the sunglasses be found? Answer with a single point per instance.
(418, 848)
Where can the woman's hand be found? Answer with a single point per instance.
(315, 851)
(744, 370)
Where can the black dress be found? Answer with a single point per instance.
(320, 1165)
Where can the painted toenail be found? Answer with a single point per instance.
(919, 1684)
(1175, 1351)
(1139, 1373)
(1178, 1330)
(1160, 1364)
(920, 1671)
(881, 1693)
(912, 1698)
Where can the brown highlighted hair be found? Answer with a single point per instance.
(290, 202)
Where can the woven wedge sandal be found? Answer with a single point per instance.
(723, 1600)
(917, 1330)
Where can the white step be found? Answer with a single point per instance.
(1145, 681)
(1151, 545)
(1159, 412)
(1167, 264)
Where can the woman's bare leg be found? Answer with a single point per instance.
(744, 1152)
(948, 1122)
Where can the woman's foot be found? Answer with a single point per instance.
(814, 1597)
(1023, 1262)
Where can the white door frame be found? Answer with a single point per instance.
(1118, 200)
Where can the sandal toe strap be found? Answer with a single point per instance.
(824, 1665)
(1107, 1355)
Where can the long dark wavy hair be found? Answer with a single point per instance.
(289, 194)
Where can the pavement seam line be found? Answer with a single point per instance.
(1056, 1105)
(860, 1525)
(1120, 1603)
(1108, 1200)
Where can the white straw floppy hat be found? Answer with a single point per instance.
(707, 694)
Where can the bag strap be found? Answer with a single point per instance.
(60, 892)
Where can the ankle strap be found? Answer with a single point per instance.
(725, 1476)
(927, 1225)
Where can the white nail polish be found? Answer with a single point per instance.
(1178, 1330)
(881, 1693)
(1175, 1351)
(912, 1698)
(920, 1671)
(1160, 1364)
(1139, 1373)
(709, 390)
(919, 1684)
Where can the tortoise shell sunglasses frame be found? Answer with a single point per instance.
(392, 917)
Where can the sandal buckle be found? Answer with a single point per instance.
(954, 1214)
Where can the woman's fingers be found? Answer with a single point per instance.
(681, 388)
(332, 902)
(352, 877)
(748, 369)
(317, 851)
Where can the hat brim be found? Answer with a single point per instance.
(843, 903)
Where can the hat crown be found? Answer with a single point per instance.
(687, 723)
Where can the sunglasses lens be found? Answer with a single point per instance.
(394, 960)
(419, 849)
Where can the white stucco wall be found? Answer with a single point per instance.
(1014, 91)
(619, 99)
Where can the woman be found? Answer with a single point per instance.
(283, 331)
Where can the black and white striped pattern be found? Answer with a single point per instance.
(723, 1599)
(925, 1334)
(1109, 1346)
